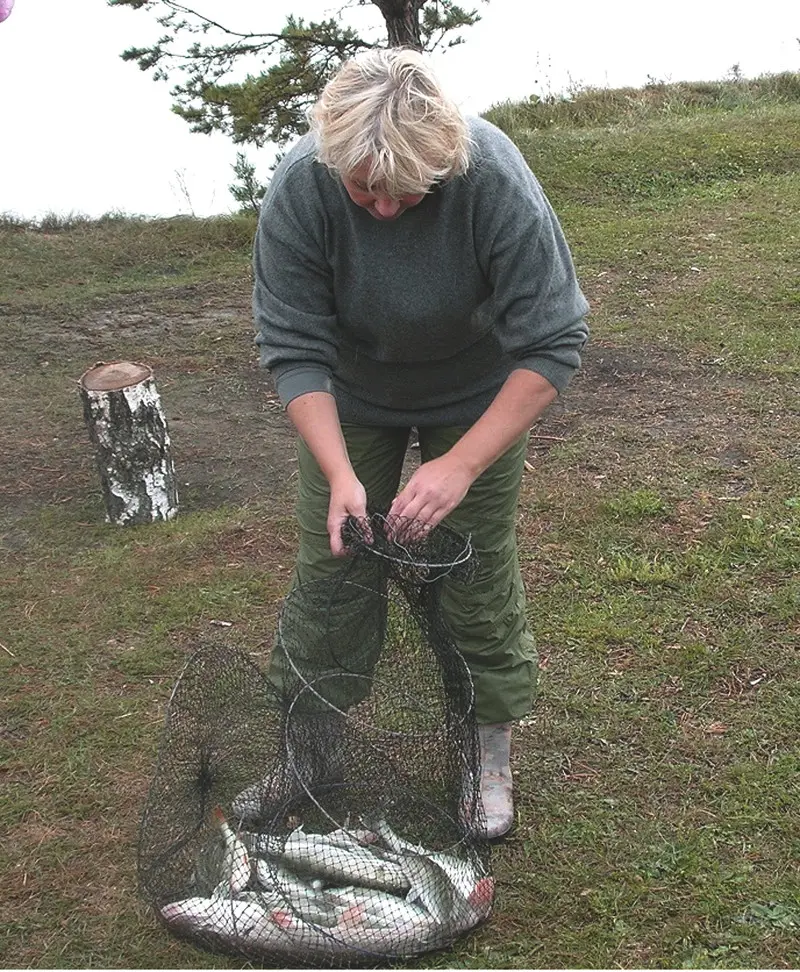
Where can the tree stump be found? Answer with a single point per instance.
(128, 428)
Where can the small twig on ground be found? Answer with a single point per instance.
(8, 650)
(550, 438)
(529, 466)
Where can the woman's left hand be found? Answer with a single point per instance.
(435, 490)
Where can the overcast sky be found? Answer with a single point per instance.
(83, 131)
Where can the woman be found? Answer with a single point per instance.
(409, 272)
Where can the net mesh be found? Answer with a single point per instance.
(323, 814)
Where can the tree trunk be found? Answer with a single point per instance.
(127, 426)
(402, 21)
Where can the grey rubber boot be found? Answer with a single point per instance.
(496, 783)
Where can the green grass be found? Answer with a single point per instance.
(594, 107)
(75, 262)
(659, 540)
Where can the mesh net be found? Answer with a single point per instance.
(322, 814)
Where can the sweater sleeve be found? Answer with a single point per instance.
(293, 302)
(536, 302)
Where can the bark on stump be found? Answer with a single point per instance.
(128, 428)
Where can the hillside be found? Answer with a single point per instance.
(659, 535)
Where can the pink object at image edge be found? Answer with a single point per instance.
(6, 6)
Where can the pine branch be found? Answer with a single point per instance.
(293, 64)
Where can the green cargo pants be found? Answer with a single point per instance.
(486, 617)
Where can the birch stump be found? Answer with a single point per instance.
(128, 429)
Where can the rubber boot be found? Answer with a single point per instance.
(496, 784)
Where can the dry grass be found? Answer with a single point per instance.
(660, 536)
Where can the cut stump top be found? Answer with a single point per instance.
(114, 375)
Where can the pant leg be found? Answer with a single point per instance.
(327, 629)
(487, 617)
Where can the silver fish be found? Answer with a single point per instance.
(301, 897)
(241, 923)
(425, 882)
(392, 840)
(395, 902)
(430, 886)
(349, 837)
(339, 861)
(273, 876)
(372, 921)
(246, 923)
(473, 889)
(378, 909)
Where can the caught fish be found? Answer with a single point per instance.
(272, 876)
(347, 837)
(337, 860)
(370, 921)
(345, 894)
(240, 922)
(473, 889)
(302, 896)
(430, 886)
(472, 885)
(311, 902)
(229, 919)
(248, 922)
(377, 909)
(392, 840)
(236, 867)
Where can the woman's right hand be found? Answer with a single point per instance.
(348, 498)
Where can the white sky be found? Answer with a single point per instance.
(83, 131)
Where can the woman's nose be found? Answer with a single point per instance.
(387, 207)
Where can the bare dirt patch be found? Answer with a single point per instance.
(232, 441)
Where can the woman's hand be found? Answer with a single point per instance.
(348, 498)
(435, 490)
(316, 419)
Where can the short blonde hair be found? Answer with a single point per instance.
(385, 110)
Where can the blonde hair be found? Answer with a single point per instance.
(385, 111)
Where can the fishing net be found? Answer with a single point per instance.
(323, 814)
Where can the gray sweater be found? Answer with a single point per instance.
(416, 321)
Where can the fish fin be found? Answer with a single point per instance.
(283, 919)
(352, 917)
(482, 894)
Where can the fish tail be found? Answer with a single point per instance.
(222, 823)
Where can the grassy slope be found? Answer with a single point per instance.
(660, 538)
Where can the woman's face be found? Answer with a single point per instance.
(376, 203)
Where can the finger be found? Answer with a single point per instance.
(408, 506)
(425, 519)
(430, 515)
(338, 548)
(399, 516)
(401, 502)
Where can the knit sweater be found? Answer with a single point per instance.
(418, 320)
